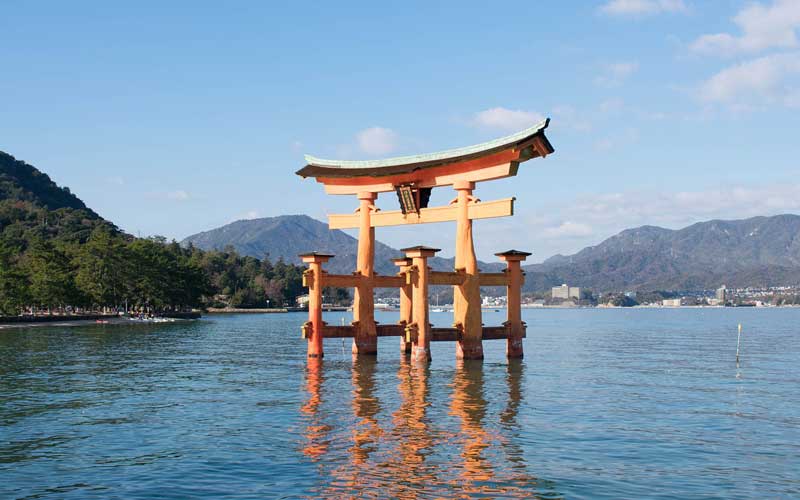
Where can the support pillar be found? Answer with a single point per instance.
(365, 341)
(467, 296)
(514, 322)
(421, 348)
(313, 280)
(404, 264)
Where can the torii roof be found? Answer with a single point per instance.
(322, 168)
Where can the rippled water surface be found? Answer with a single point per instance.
(606, 404)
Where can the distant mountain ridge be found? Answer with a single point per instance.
(749, 252)
(286, 236)
(756, 251)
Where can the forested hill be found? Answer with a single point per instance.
(23, 182)
(56, 253)
(760, 251)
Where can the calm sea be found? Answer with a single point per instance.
(606, 404)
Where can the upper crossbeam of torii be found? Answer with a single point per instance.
(412, 178)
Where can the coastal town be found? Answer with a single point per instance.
(566, 296)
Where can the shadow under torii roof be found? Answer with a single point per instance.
(425, 168)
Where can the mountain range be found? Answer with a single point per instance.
(760, 251)
(286, 236)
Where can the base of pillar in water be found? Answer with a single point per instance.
(420, 354)
(365, 347)
(469, 350)
(514, 349)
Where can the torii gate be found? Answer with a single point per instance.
(413, 178)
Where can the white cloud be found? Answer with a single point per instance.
(768, 80)
(376, 140)
(763, 27)
(506, 119)
(568, 229)
(624, 137)
(179, 195)
(615, 74)
(611, 105)
(569, 117)
(251, 214)
(641, 7)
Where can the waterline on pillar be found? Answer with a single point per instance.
(420, 354)
(469, 350)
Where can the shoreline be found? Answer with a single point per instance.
(90, 320)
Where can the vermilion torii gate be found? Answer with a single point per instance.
(412, 178)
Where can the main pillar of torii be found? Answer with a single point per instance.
(412, 178)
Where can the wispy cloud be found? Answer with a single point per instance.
(567, 116)
(509, 120)
(634, 8)
(614, 74)
(376, 140)
(179, 195)
(762, 27)
(249, 215)
(611, 105)
(768, 80)
(568, 229)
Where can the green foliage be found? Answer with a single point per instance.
(55, 252)
(101, 271)
(13, 283)
(618, 300)
(50, 275)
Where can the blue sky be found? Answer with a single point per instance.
(172, 118)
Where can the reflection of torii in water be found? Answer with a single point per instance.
(316, 433)
(393, 461)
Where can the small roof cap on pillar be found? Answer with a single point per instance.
(420, 251)
(401, 261)
(316, 256)
(513, 255)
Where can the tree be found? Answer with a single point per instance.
(101, 267)
(13, 283)
(50, 275)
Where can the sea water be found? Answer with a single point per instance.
(622, 403)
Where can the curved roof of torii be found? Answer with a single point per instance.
(318, 167)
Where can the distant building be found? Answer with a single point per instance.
(721, 291)
(567, 292)
(302, 300)
(671, 302)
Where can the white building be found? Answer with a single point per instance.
(566, 292)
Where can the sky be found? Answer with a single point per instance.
(170, 118)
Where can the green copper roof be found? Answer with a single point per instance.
(389, 166)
